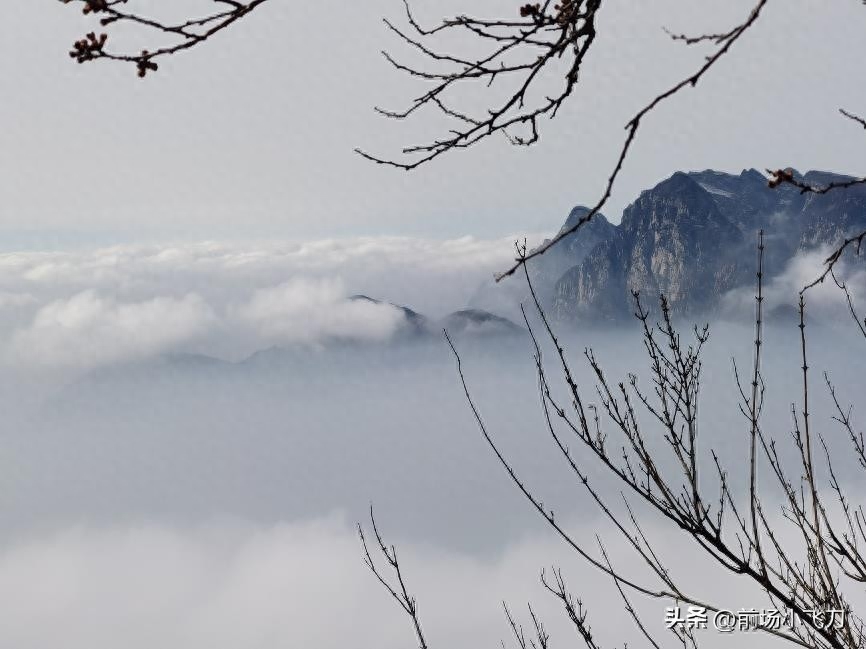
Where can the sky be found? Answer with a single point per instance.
(253, 134)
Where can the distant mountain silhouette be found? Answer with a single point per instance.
(474, 322)
(479, 323)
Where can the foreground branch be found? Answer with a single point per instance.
(183, 35)
(725, 42)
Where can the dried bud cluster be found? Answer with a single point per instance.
(780, 176)
(182, 35)
(88, 48)
(144, 64)
(565, 11)
(91, 6)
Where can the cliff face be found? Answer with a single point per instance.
(673, 239)
(692, 237)
(545, 270)
(572, 250)
(794, 221)
(825, 220)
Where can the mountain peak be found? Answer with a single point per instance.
(480, 322)
(692, 238)
(675, 201)
(680, 181)
(598, 222)
(816, 177)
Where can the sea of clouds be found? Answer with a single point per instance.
(90, 308)
(96, 307)
(304, 585)
(147, 499)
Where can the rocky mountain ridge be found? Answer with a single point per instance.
(692, 237)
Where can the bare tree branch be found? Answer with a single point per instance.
(801, 586)
(183, 35)
(854, 242)
(398, 590)
(725, 44)
(786, 177)
(522, 50)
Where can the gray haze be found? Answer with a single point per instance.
(182, 501)
(254, 135)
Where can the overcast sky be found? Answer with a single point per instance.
(151, 498)
(253, 134)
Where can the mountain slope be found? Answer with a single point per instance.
(673, 239)
(692, 237)
(545, 270)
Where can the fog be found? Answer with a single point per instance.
(192, 432)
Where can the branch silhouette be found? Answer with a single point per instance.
(181, 35)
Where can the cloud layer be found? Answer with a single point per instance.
(300, 585)
(304, 585)
(781, 293)
(92, 329)
(124, 303)
(120, 486)
(84, 309)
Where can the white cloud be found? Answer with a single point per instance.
(79, 308)
(804, 269)
(783, 289)
(227, 587)
(233, 586)
(12, 300)
(89, 329)
(88, 308)
(306, 311)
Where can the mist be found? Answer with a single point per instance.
(191, 434)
